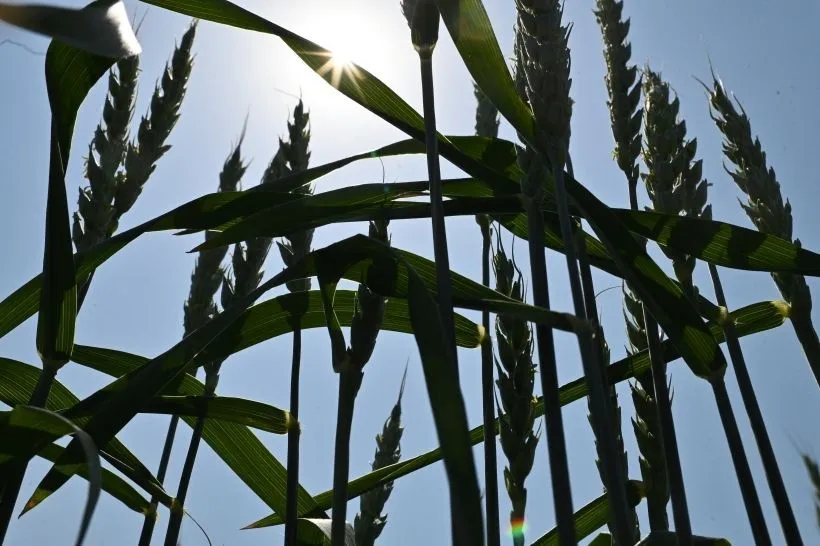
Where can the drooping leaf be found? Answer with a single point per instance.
(111, 483)
(100, 28)
(235, 444)
(17, 383)
(19, 428)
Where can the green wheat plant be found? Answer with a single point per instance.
(369, 522)
(354, 290)
(486, 125)
(516, 380)
(765, 208)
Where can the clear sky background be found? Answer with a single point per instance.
(765, 51)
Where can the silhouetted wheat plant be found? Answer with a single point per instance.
(486, 125)
(369, 522)
(526, 189)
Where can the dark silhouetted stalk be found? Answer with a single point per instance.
(781, 499)
(757, 520)
(624, 94)
(621, 463)
(543, 52)
(367, 321)
(293, 156)
(532, 186)
(207, 277)
(423, 18)
(486, 125)
(675, 186)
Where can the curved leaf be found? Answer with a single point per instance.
(235, 444)
(19, 428)
(111, 483)
(101, 27)
(17, 383)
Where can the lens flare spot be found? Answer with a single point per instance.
(517, 528)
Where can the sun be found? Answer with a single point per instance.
(349, 45)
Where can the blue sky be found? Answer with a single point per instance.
(762, 50)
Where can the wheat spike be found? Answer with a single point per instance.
(624, 92)
(542, 52)
(619, 437)
(674, 181)
(293, 157)
(516, 379)
(624, 95)
(765, 208)
(150, 145)
(369, 522)
(645, 424)
(95, 219)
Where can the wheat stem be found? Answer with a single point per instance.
(486, 125)
(542, 44)
(535, 171)
(773, 476)
(293, 156)
(200, 308)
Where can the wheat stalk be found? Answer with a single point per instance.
(623, 84)
(765, 208)
(369, 522)
(675, 187)
(368, 315)
(544, 66)
(486, 125)
(516, 380)
(293, 156)
(199, 309)
(535, 170)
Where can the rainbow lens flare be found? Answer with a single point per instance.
(517, 528)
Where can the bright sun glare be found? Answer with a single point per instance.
(348, 44)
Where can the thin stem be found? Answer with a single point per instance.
(764, 444)
(556, 444)
(444, 288)
(165, 458)
(668, 439)
(291, 507)
(610, 456)
(348, 386)
(175, 519)
(592, 370)
(488, 401)
(11, 489)
(741, 463)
